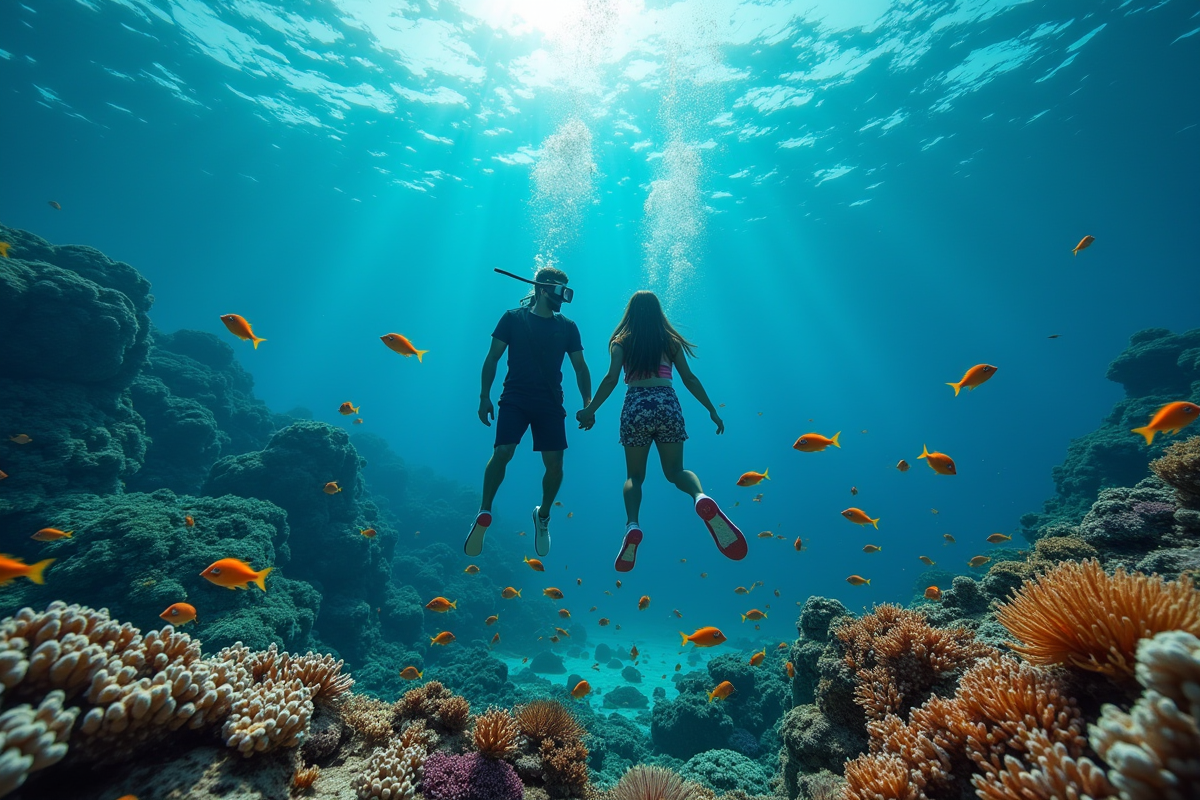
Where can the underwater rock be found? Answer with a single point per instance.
(811, 742)
(965, 597)
(1130, 521)
(631, 674)
(816, 615)
(689, 725)
(615, 663)
(625, 697)
(547, 663)
(603, 653)
(726, 771)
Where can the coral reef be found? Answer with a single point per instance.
(1179, 467)
(393, 773)
(725, 771)
(496, 734)
(470, 777)
(651, 783)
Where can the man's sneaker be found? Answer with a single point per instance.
(629, 545)
(541, 535)
(473, 546)
(729, 539)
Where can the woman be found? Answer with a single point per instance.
(647, 345)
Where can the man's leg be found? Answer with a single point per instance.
(551, 480)
(493, 474)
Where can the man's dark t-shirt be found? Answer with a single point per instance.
(552, 338)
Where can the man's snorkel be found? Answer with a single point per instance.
(561, 293)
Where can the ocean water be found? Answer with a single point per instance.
(845, 205)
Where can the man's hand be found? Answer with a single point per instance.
(720, 423)
(585, 418)
(486, 409)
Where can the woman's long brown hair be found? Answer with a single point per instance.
(646, 335)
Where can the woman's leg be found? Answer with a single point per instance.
(635, 469)
(671, 455)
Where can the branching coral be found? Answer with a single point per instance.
(879, 778)
(496, 734)
(392, 773)
(1053, 774)
(651, 783)
(369, 717)
(305, 777)
(1180, 467)
(1077, 615)
(545, 719)
(564, 765)
(266, 715)
(322, 675)
(441, 709)
(33, 739)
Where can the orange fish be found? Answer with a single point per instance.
(358, 421)
(3, 474)
(508, 593)
(440, 605)
(940, 463)
(758, 657)
(997, 538)
(233, 573)
(179, 613)
(552, 593)
(401, 345)
(791, 670)
(535, 564)
(902, 465)
(933, 593)
(678, 614)
(815, 442)
(603, 621)
(707, 636)
(976, 375)
(949, 539)
(633, 652)
(188, 521)
(782, 646)
(240, 328)
(51, 534)
(562, 612)
(644, 602)
(1084, 244)
(348, 409)
(411, 673)
(54, 205)
(471, 569)
(722, 690)
(743, 590)
(492, 619)
(561, 632)
(1171, 418)
(368, 532)
(871, 548)
(331, 488)
(857, 580)
(860, 517)
(4, 248)
(978, 561)
(443, 638)
(753, 614)
(799, 545)
(753, 478)
(766, 535)
(496, 638)
(20, 438)
(927, 560)
(581, 690)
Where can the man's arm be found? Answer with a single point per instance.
(487, 378)
(582, 376)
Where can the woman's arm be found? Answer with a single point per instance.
(587, 416)
(679, 359)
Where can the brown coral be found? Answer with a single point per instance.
(442, 710)
(1180, 467)
(1077, 615)
(1050, 774)
(564, 765)
(879, 778)
(304, 777)
(651, 783)
(496, 733)
(369, 717)
(454, 714)
(545, 719)
(322, 675)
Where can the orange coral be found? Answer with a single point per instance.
(304, 777)
(879, 778)
(1052, 774)
(496, 733)
(545, 719)
(1075, 614)
(454, 714)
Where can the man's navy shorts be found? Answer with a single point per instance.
(548, 424)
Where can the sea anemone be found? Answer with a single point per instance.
(548, 719)
(651, 783)
(304, 777)
(496, 733)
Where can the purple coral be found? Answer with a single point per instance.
(469, 777)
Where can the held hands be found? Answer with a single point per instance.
(585, 418)
(715, 417)
(486, 409)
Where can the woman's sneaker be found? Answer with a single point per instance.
(473, 546)
(629, 545)
(541, 532)
(729, 539)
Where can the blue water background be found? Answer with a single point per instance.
(803, 305)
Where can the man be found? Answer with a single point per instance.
(537, 337)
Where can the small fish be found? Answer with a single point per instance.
(471, 569)
(722, 690)
(753, 614)
(707, 636)
(927, 560)
(1054, 336)
(525, 660)
(495, 638)
(20, 438)
(3, 474)
(618, 584)
(633, 652)
(871, 548)
(902, 465)
(766, 535)
(368, 532)
(1171, 418)
(596, 667)
(590, 610)
(782, 646)
(980, 373)
(933, 511)
(579, 581)
(853, 490)
(758, 657)
(348, 409)
(492, 620)
(189, 521)
(51, 534)
(753, 478)
(978, 561)
(411, 673)
(996, 538)
(683, 561)
(940, 463)
(949, 539)
(815, 442)
(562, 612)
(520, 533)
(703, 574)
(443, 638)
(358, 421)
(678, 614)
(233, 573)
(558, 503)
(561, 632)
(54, 204)
(607, 592)
(553, 593)
(1084, 244)
(331, 488)
(618, 627)
(799, 545)
(179, 613)
(4, 248)
(678, 667)
(791, 670)
(777, 593)
(440, 605)
(643, 602)
(857, 580)
(401, 345)
(860, 517)
(581, 690)
(570, 514)
(603, 622)
(757, 498)
(737, 503)
(757, 583)
(240, 328)
(508, 593)
(767, 606)
(535, 564)
(742, 590)
(933, 593)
